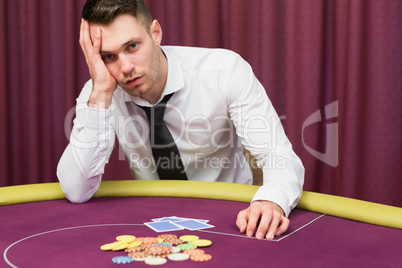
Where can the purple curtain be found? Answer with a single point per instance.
(331, 68)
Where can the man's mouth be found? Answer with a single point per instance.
(133, 81)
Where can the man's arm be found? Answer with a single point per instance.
(91, 143)
(262, 134)
(82, 164)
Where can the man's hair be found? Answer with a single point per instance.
(104, 12)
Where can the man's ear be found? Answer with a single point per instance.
(156, 32)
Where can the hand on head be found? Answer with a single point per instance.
(104, 84)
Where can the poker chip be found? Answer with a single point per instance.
(163, 244)
(155, 261)
(138, 256)
(201, 257)
(135, 249)
(186, 246)
(175, 250)
(174, 241)
(122, 259)
(188, 238)
(193, 251)
(202, 243)
(134, 244)
(178, 257)
(167, 236)
(148, 240)
(109, 246)
(125, 238)
(158, 250)
(120, 246)
(161, 256)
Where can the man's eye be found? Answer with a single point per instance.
(133, 46)
(107, 58)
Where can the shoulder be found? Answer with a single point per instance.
(203, 57)
(200, 51)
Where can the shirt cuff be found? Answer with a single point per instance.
(96, 119)
(273, 196)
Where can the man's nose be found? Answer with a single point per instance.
(127, 65)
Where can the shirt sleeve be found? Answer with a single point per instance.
(92, 139)
(261, 132)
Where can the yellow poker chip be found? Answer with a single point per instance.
(110, 246)
(188, 238)
(125, 238)
(134, 244)
(202, 243)
(121, 246)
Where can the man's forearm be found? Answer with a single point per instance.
(82, 164)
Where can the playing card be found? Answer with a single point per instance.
(163, 226)
(193, 224)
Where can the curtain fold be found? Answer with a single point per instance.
(332, 69)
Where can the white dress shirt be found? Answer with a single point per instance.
(218, 107)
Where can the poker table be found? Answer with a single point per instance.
(40, 228)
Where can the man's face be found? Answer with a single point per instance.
(132, 55)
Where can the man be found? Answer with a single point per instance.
(218, 106)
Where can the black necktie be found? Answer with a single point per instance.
(164, 150)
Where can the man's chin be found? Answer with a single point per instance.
(135, 92)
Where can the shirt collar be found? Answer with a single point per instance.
(174, 81)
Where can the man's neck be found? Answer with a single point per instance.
(156, 93)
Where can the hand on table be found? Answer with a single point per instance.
(104, 84)
(262, 219)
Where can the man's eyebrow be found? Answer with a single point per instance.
(122, 46)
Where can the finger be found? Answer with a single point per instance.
(98, 40)
(81, 40)
(82, 32)
(254, 216)
(81, 29)
(84, 38)
(241, 221)
(265, 221)
(283, 226)
(272, 229)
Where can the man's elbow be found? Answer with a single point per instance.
(77, 194)
(76, 198)
(74, 190)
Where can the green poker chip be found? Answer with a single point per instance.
(186, 246)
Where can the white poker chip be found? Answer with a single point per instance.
(175, 250)
(178, 257)
(155, 261)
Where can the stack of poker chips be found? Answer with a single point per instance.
(156, 250)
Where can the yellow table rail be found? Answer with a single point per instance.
(348, 208)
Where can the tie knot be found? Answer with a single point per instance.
(155, 113)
